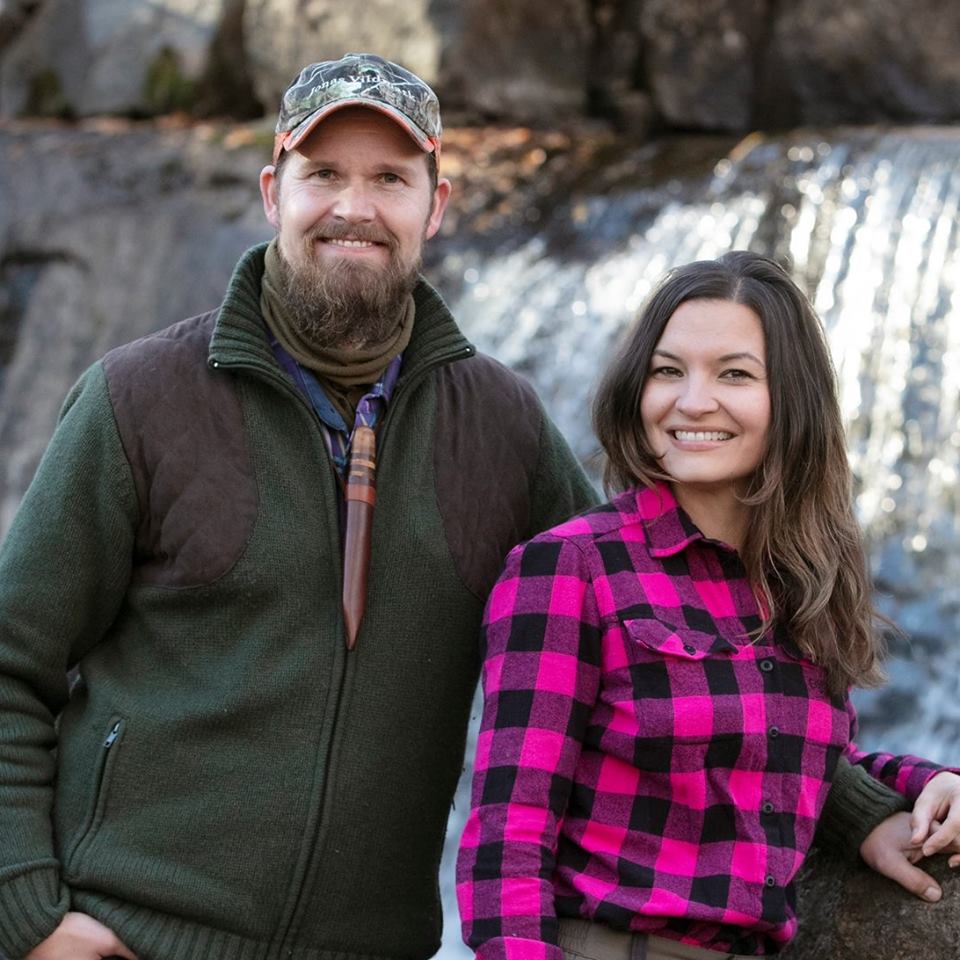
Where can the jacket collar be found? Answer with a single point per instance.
(239, 336)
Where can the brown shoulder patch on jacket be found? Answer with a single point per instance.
(182, 428)
(486, 449)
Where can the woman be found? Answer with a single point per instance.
(666, 677)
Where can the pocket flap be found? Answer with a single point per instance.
(676, 641)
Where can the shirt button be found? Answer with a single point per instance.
(766, 665)
(769, 881)
(774, 732)
(690, 648)
(767, 807)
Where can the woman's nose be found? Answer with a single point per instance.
(697, 397)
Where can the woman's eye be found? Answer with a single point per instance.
(737, 375)
(666, 372)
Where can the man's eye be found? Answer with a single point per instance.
(390, 178)
(323, 174)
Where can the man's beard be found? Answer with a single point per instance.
(345, 303)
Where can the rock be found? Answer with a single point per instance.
(717, 65)
(107, 236)
(699, 60)
(84, 57)
(848, 912)
(282, 37)
(525, 60)
(737, 64)
(13, 15)
(864, 62)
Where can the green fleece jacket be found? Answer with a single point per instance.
(225, 780)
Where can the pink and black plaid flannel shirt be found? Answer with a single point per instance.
(641, 763)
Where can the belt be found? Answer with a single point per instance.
(587, 940)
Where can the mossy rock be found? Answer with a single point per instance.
(45, 97)
(166, 88)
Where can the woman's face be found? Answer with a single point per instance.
(705, 404)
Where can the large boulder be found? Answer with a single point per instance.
(737, 64)
(281, 37)
(721, 65)
(104, 237)
(522, 60)
(863, 62)
(85, 57)
(699, 60)
(848, 912)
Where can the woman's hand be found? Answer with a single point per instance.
(80, 937)
(891, 850)
(935, 820)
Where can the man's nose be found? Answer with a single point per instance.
(354, 203)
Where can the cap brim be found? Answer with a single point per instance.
(292, 138)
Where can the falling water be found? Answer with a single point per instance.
(867, 221)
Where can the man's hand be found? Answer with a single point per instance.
(890, 849)
(938, 803)
(80, 937)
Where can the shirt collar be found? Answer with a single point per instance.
(667, 527)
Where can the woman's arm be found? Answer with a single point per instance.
(540, 678)
(894, 846)
(907, 774)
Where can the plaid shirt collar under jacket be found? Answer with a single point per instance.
(641, 761)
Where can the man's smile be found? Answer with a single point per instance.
(350, 243)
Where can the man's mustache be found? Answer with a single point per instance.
(336, 230)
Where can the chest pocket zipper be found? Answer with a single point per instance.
(106, 761)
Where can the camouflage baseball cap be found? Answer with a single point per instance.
(364, 80)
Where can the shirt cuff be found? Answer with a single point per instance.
(518, 948)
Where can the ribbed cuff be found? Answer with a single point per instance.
(32, 904)
(855, 805)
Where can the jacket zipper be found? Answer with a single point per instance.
(98, 802)
(268, 374)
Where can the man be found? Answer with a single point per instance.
(274, 624)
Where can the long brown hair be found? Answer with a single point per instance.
(803, 551)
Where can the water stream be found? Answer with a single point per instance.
(868, 221)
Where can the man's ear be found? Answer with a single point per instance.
(440, 197)
(269, 193)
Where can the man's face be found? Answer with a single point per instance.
(352, 208)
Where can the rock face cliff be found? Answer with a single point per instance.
(692, 64)
(104, 237)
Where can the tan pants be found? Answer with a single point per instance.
(584, 940)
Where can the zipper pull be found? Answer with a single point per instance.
(112, 736)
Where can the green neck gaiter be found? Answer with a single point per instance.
(345, 371)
